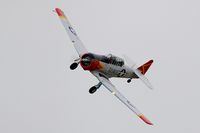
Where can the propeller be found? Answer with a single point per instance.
(134, 67)
(75, 63)
(75, 59)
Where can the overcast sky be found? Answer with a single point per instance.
(40, 94)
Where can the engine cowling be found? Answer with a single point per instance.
(88, 62)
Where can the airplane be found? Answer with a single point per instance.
(104, 67)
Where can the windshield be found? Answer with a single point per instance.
(109, 59)
(115, 60)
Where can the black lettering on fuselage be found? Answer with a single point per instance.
(121, 73)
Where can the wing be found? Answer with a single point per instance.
(106, 82)
(80, 48)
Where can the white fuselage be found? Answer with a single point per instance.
(111, 70)
(109, 66)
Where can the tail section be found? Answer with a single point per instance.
(143, 69)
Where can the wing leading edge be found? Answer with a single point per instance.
(80, 48)
(106, 82)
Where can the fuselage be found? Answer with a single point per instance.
(110, 65)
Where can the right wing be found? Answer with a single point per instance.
(106, 82)
(80, 48)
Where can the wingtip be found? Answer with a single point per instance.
(59, 12)
(147, 121)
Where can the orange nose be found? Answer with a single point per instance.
(94, 65)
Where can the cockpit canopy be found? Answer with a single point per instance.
(110, 59)
(115, 60)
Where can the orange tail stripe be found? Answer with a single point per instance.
(143, 69)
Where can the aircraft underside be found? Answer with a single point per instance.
(104, 67)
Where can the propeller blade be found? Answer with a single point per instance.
(75, 59)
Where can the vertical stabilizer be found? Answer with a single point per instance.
(143, 69)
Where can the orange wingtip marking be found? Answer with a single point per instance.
(145, 119)
(59, 12)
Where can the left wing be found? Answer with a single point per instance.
(80, 48)
(106, 82)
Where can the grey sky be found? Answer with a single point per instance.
(38, 92)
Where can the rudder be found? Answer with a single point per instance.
(143, 69)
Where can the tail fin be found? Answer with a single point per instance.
(143, 69)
